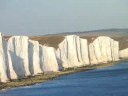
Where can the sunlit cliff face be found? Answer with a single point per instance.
(21, 57)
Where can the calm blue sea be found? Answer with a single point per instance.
(109, 81)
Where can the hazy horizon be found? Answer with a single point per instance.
(40, 17)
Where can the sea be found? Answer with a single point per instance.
(108, 81)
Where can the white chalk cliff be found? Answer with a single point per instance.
(49, 61)
(34, 60)
(22, 57)
(103, 49)
(4, 72)
(84, 51)
(123, 53)
(73, 52)
(18, 57)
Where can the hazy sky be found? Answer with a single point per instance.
(39, 17)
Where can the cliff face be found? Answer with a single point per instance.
(50, 63)
(123, 53)
(84, 51)
(22, 57)
(4, 72)
(34, 57)
(73, 52)
(103, 49)
(18, 57)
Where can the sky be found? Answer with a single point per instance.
(40, 17)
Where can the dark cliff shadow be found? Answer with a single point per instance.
(30, 56)
(17, 65)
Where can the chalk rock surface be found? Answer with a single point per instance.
(34, 59)
(49, 61)
(123, 53)
(84, 51)
(73, 52)
(18, 57)
(103, 49)
(22, 57)
(4, 72)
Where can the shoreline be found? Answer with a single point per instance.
(41, 78)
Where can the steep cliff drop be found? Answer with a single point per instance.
(22, 57)
(18, 57)
(34, 60)
(123, 53)
(103, 49)
(73, 52)
(4, 71)
(49, 63)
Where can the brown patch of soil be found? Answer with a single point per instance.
(51, 41)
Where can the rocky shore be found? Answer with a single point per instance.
(49, 76)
